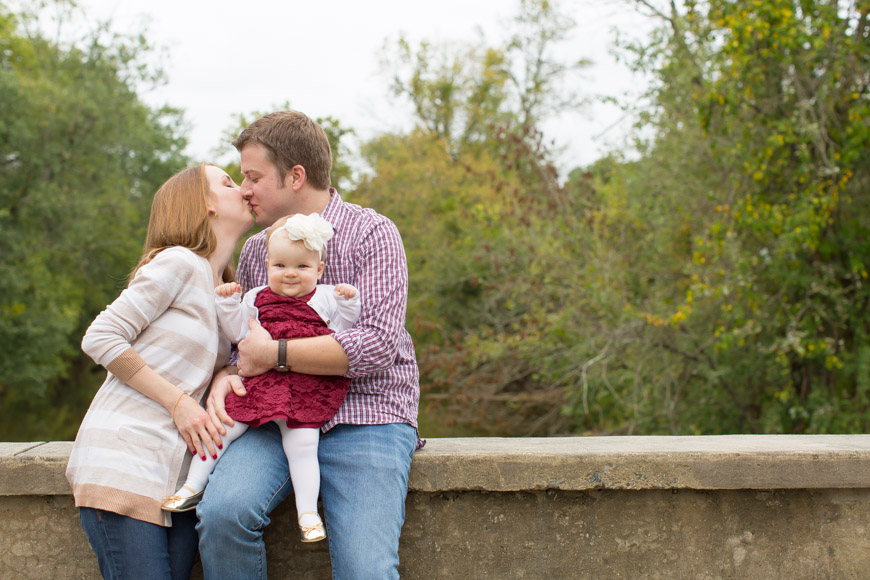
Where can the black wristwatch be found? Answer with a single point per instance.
(282, 366)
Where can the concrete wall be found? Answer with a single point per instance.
(741, 507)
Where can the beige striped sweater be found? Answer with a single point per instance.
(128, 454)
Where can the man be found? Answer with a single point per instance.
(366, 449)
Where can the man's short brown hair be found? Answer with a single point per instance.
(291, 139)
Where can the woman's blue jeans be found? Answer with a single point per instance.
(131, 549)
(363, 485)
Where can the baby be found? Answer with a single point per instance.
(291, 306)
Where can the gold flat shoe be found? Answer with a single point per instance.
(173, 503)
(313, 533)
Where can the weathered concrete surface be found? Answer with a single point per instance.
(731, 507)
(583, 463)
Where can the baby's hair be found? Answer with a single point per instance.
(278, 225)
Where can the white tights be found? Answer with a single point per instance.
(300, 447)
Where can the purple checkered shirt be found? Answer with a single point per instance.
(366, 252)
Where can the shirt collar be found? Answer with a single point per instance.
(332, 212)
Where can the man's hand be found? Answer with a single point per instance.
(257, 352)
(221, 386)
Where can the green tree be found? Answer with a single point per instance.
(488, 228)
(80, 158)
(467, 93)
(341, 174)
(754, 309)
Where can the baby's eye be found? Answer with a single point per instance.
(303, 266)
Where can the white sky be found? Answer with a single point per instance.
(226, 57)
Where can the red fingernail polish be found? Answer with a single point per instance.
(203, 457)
(220, 446)
(214, 456)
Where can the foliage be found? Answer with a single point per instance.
(715, 284)
(486, 224)
(466, 93)
(80, 158)
(341, 172)
(758, 163)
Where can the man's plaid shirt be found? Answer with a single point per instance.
(366, 252)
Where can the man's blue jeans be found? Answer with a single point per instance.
(135, 550)
(363, 482)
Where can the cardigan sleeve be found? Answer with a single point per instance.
(150, 293)
(233, 314)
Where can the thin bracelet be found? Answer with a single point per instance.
(175, 406)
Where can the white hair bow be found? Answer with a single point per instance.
(312, 230)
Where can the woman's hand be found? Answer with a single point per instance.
(200, 433)
(223, 384)
(196, 427)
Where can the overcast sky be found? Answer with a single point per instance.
(226, 57)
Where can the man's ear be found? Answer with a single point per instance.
(297, 176)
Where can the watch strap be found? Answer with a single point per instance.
(282, 365)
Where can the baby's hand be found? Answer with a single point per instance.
(345, 290)
(228, 289)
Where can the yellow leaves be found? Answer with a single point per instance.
(14, 309)
(655, 321)
(833, 362)
(758, 175)
(674, 320)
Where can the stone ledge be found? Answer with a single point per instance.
(726, 462)
(644, 462)
(657, 508)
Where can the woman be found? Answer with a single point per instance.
(160, 343)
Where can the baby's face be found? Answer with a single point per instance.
(293, 269)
